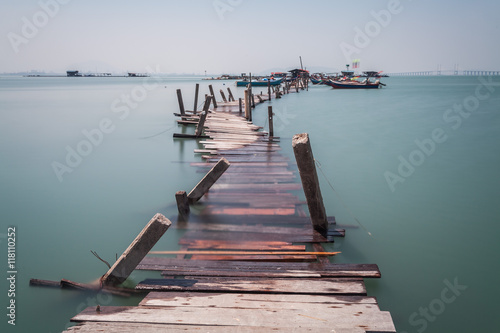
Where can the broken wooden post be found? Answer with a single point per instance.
(213, 95)
(210, 178)
(240, 102)
(231, 97)
(223, 96)
(196, 91)
(269, 88)
(137, 250)
(181, 103)
(182, 204)
(270, 115)
(307, 170)
(203, 117)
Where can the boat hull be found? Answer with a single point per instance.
(258, 83)
(341, 85)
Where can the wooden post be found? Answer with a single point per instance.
(252, 105)
(196, 91)
(240, 105)
(203, 117)
(247, 104)
(182, 204)
(213, 95)
(137, 250)
(223, 96)
(231, 97)
(307, 170)
(210, 178)
(181, 103)
(270, 115)
(269, 88)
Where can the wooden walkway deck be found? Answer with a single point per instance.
(269, 277)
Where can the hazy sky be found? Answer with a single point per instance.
(234, 36)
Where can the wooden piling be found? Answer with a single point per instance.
(203, 117)
(307, 170)
(269, 88)
(137, 250)
(181, 103)
(223, 96)
(240, 103)
(210, 178)
(248, 110)
(231, 97)
(213, 95)
(270, 115)
(182, 204)
(196, 91)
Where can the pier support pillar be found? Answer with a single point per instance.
(270, 118)
(182, 204)
(213, 95)
(181, 103)
(307, 170)
(196, 92)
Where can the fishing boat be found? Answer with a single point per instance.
(316, 81)
(366, 84)
(259, 83)
(350, 81)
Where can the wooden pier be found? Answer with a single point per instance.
(251, 259)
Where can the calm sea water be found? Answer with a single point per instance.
(86, 162)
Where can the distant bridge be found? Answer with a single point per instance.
(447, 72)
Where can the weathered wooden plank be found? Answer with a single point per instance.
(264, 219)
(340, 319)
(253, 211)
(252, 301)
(208, 181)
(188, 267)
(119, 327)
(324, 286)
(257, 257)
(244, 245)
(137, 250)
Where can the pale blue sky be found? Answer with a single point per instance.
(233, 36)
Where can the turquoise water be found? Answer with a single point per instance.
(433, 231)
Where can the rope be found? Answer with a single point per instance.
(340, 198)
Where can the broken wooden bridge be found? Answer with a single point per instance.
(251, 259)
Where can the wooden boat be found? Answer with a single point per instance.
(354, 84)
(260, 83)
(315, 81)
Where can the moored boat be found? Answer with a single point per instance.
(259, 83)
(354, 84)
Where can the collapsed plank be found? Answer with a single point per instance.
(210, 178)
(137, 250)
